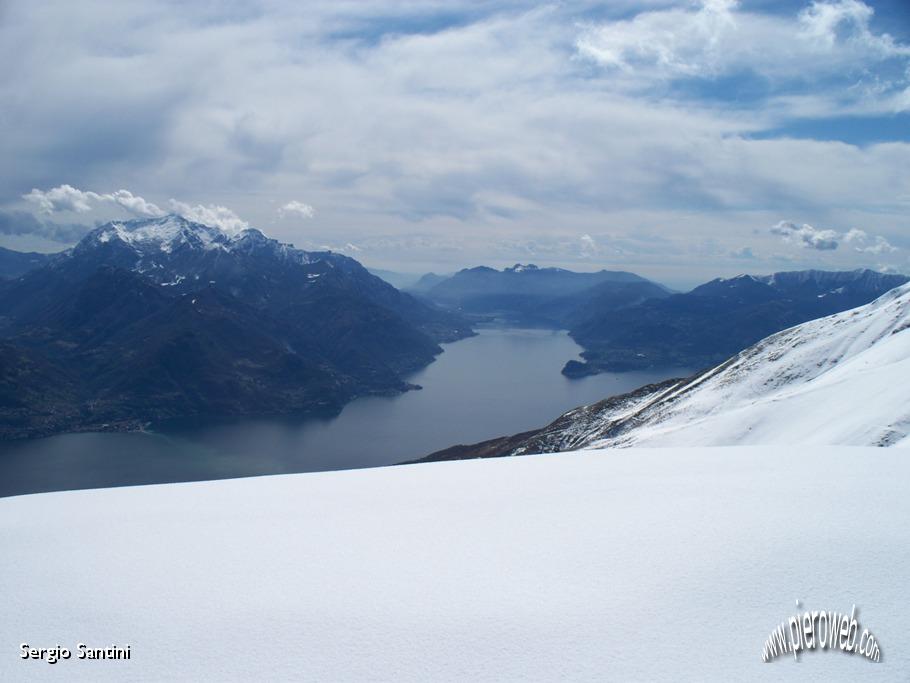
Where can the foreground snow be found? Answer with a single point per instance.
(636, 564)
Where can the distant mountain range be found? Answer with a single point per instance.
(403, 281)
(157, 319)
(838, 380)
(16, 263)
(426, 283)
(717, 319)
(529, 295)
(626, 322)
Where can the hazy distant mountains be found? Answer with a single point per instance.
(164, 318)
(834, 381)
(528, 295)
(16, 263)
(625, 322)
(426, 283)
(717, 319)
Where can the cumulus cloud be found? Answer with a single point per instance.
(864, 243)
(294, 207)
(824, 240)
(68, 198)
(674, 42)
(827, 38)
(211, 214)
(62, 198)
(807, 236)
(134, 204)
(880, 246)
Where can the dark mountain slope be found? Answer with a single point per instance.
(717, 319)
(158, 319)
(137, 356)
(16, 263)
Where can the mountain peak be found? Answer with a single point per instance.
(164, 233)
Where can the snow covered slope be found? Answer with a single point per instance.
(839, 380)
(622, 565)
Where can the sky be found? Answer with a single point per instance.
(681, 140)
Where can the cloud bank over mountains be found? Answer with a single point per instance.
(468, 128)
(66, 198)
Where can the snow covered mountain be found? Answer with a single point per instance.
(183, 256)
(154, 319)
(171, 250)
(839, 380)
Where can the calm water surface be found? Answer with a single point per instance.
(500, 382)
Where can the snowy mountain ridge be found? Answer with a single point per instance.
(164, 233)
(835, 380)
(822, 278)
(170, 233)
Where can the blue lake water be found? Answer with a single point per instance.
(500, 382)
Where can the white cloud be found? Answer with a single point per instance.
(62, 198)
(827, 39)
(134, 204)
(672, 42)
(68, 198)
(807, 236)
(299, 208)
(847, 21)
(211, 214)
(855, 235)
(866, 244)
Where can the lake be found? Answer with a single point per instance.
(502, 381)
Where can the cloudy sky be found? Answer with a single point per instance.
(678, 139)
